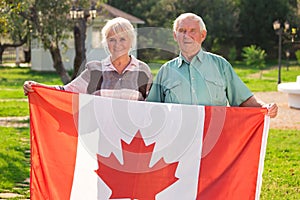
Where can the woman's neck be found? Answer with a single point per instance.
(120, 63)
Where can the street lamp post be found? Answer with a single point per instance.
(289, 34)
(279, 31)
(279, 54)
(287, 55)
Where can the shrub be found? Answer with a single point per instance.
(232, 55)
(297, 53)
(254, 56)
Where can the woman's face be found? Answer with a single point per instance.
(118, 44)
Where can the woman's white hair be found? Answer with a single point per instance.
(118, 25)
(190, 16)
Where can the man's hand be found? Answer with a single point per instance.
(272, 109)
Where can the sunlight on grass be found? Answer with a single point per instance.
(15, 77)
(265, 80)
(281, 177)
(14, 108)
(14, 159)
(10, 93)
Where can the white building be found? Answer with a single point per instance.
(41, 60)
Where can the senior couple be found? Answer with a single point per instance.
(194, 77)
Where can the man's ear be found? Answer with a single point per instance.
(203, 35)
(175, 36)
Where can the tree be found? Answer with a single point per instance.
(168, 10)
(13, 28)
(158, 15)
(220, 17)
(49, 20)
(79, 32)
(256, 19)
(231, 24)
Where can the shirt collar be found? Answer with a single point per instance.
(109, 66)
(199, 56)
(181, 60)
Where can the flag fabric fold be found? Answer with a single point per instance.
(91, 147)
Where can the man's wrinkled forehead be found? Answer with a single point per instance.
(187, 24)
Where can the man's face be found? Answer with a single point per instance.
(189, 37)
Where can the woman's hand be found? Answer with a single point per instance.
(27, 86)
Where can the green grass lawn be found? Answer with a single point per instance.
(266, 80)
(281, 177)
(14, 160)
(13, 108)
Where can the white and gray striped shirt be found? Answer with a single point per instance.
(101, 78)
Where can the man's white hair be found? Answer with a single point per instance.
(190, 16)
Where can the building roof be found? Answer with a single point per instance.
(114, 12)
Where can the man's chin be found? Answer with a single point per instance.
(190, 49)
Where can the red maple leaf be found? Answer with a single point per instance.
(134, 179)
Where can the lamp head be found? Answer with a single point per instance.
(276, 25)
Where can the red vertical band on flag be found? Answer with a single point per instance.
(231, 150)
(53, 122)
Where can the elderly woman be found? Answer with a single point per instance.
(120, 75)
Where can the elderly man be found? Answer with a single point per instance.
(198, 77)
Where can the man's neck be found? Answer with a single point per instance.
(188, 57)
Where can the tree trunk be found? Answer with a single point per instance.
(58, 64)
(6, 45)
(1, 53)
(79, 41)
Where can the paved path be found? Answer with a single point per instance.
(14, 121)
(287, 118)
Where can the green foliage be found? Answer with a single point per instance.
(256, 18)
(297, 53)
(216, 45)
(14, 28)
(9, 14)
(232, 55)
(141, 9)
(227, 22)
(220, 17)
(254, 56)
(49, 20)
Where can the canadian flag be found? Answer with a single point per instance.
(91, 147)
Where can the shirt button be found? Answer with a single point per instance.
(120, 79)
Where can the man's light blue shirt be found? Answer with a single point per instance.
(208, 79)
